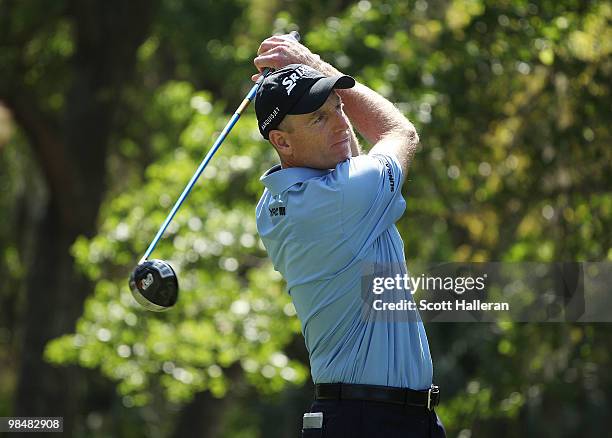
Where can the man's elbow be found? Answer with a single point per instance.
(410, 136)
(413, 136)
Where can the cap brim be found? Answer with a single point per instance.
(319, 92)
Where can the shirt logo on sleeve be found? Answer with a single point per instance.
(390, 175)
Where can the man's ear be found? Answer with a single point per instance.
(280, 141)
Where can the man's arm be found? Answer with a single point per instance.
(374, 117)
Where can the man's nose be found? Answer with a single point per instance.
(341, 121)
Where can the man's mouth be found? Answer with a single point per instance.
(338, 143)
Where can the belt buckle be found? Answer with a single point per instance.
(432, 390)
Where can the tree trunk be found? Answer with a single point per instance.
(203, 416)
(71, 149)
(55, 295)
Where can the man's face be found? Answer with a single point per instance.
(320, 139)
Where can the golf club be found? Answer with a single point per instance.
(154, 283)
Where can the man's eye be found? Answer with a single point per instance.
(319, 119)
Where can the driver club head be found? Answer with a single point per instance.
(154, 285)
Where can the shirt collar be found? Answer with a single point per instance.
(278, 180)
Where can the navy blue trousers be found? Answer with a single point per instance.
(356, 419)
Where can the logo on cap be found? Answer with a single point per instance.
(290, 81)
(269, 118)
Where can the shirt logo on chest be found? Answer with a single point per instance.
(276, 211)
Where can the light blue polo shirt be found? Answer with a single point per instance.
(323, 229)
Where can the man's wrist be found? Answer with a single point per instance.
(324, 67)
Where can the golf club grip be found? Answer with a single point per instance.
(295, 35)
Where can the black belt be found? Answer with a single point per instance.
(386, 394)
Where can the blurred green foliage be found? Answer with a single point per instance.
(512, 103)
(232, 308)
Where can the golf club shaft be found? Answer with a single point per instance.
(245, 103)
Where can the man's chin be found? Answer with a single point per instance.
(342, 159)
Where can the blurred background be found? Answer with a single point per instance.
(106, 109)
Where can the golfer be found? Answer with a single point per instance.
(326, 217)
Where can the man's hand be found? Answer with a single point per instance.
(280, 50)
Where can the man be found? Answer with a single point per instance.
(327, 219)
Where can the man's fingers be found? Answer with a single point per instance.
(276, 52)
(276, 40)
(266, 46)
(284, 37)
(269, 60)
(268, 43)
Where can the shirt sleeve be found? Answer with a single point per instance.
(371, 195)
